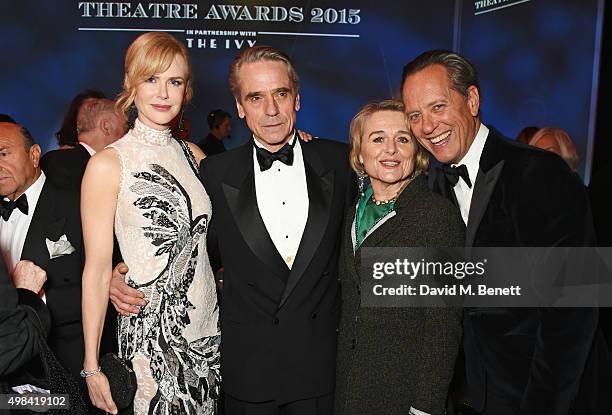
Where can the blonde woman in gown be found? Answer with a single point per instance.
(146, 187)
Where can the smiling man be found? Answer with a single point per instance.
(522, 360)
(278, 205)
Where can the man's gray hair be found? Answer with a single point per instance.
(90, 111)
(461, 73)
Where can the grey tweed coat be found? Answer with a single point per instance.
(392, 359)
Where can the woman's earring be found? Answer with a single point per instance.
(132, 115)
(181, 126)
(361, 176)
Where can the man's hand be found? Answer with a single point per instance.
(126, 300)
(304, 136)
(30, 276)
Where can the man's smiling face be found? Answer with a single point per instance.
(444, 121)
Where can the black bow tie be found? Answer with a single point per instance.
(7, 206)
(266, 158)
(453, 173)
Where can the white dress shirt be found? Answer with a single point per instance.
(472, 162)
(282, 199)
(89, 148)
(13, 232)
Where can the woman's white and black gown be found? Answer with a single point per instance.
(161, 221)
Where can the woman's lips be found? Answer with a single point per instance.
(390, 164)
(161, 107)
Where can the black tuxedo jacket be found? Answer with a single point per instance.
(21, 314)
(57, 213)
(535, 357)
(65, 168)
(278, 326)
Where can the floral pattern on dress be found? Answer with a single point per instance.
(186, 373)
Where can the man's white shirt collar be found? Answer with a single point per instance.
(472, 157)
(87, 147)
(33, 193)
(13, 232)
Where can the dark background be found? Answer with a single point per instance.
(537, 60)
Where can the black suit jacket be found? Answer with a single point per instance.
(534, 357)
(65, 168)
(211, 145)
(278, 325)
(57, 213)
(22, 312)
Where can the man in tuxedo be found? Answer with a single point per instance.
(518, 360)
(24, 318)
(42, 224)
(98, 125)
(278, 205)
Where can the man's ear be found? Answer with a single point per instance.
(105, 125)
(473, 100)
(240, 109)
(34, 155)
(296, 106)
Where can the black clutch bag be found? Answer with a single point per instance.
(121, 378)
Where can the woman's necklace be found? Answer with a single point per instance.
(383, 202)
(394, 198)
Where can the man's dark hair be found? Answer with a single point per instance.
(215, 118)
(28, 140)
(461, 73)
(7, 118)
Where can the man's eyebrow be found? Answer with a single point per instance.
(253, 94)
(437, 101)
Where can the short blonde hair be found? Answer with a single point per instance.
(257, 54)
(356, 135)
(149, 54)
(568, 149)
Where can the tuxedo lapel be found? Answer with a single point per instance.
(239, 191)
(34, 246)
(490, 167)
(320, 184)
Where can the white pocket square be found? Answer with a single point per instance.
(60, 247)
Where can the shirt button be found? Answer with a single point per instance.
(313, 316)
(353, 344)
(283, 203)
(278, 169)
(275, 321)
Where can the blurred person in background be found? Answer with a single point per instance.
(556, 140)
(220, 126)
(99, 124)
(67, 136)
